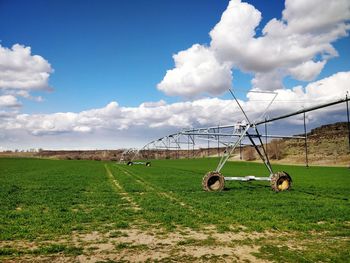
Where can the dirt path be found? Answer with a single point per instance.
(120, 190)
(156, 189)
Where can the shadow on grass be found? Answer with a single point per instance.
(320, 195)
(246, 185)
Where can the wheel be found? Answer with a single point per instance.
(213, 182)
(148, 164)
(129, 163)
(281, 181)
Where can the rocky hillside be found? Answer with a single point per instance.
(328, 144)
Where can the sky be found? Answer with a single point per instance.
(115, 74)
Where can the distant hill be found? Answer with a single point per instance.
(327, 144)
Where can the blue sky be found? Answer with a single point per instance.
(104, 51)
(119, 50)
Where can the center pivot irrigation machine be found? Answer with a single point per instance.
(232, 137)
(127, 157)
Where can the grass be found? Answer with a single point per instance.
(319, 194)
(46, 200)
(43, 250)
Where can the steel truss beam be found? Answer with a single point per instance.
(232, 136)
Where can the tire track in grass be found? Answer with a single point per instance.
(156, 189)
(195, 211)
(125, 196)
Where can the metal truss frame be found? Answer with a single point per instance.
(232, 136)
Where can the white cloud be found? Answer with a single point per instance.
(315, 15)
(153, 104)
(308, 70)
(9, 101)
(19, 69)
(82, 129)
(268, 81)
(149, 119)
(331, 87)
(20, 73)
(26, 94)
(196, 71)
(298, 45)
(233, 37)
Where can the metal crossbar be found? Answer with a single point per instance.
(232, 136)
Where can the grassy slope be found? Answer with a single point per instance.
(45, 199)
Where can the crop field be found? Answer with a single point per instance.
(92, 211)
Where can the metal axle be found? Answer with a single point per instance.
(248, 178)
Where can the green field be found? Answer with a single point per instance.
(106, 212)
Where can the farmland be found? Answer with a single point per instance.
(68, 210)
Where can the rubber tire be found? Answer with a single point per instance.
(280, 178)
(213, 182)
(129, 163)
(148, 164)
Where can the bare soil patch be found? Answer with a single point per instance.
(135, 245)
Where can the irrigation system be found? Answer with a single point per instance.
(227, 138)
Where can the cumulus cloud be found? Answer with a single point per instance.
(196, 71)
(153, 104)
(9, 101)
(307, 71)
(315, 15)
(297, 45)
(20, 73)
(268, 81)
(19, 69)
(162, 116)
